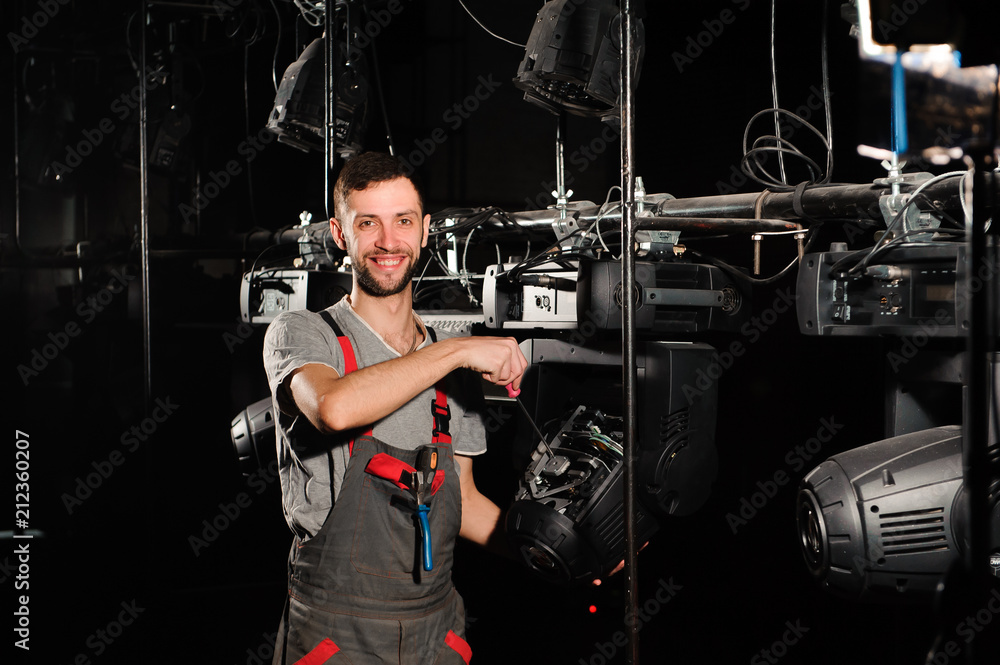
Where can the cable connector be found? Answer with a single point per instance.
(548, 281)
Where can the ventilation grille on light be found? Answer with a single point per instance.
(674, 427)
(913, 531)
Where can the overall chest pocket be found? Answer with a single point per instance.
(386, 537)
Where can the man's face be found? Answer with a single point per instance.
(383, 233)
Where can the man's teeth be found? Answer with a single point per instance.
(387, 262)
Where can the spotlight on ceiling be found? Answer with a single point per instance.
(573, 58)
(887, 520)
(298, 117)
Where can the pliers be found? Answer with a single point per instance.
(426, 467)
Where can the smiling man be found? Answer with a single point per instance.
(378, 418)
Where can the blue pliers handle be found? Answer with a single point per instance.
(425, 536)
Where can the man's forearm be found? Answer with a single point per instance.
(482, 523)
(333, 403)
(371, 393)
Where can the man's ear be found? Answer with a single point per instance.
(338, 233)
(427, 230)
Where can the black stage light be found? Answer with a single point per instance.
(298, 117)
(887, 520)
(573, 57)
(252, 433)
(567, 519)
(566, 522)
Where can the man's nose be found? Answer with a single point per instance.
(388, 237)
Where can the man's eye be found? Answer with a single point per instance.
(406, 221)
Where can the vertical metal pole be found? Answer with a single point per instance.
(979, 368)
(561, 164)
(147, 352)
(330, 88)
(17, 157)
(628, 61)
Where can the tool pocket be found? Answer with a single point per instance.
(384, 533)
(386, 537)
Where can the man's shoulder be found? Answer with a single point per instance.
(294, 324)
(295, 320)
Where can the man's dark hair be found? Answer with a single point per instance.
(366, 170)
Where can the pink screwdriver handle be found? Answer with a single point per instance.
(510, 391)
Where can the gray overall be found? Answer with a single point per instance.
(357, 592)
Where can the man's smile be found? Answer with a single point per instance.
(387, 261)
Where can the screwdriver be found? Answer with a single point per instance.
(513, 395)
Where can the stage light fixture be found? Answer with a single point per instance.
(887, 520)
(252, 435)
(567, 520)
(573, 57)
(298, 117)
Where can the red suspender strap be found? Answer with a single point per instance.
(439, 407)
(350, 361)
(442, 414)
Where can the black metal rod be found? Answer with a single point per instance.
(330, 90)
(979, 369)
(17, 157)
(696, 225)
(630, 377)
(836, 201)
(560, 159)
(147, 348)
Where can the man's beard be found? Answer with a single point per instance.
(372, 287)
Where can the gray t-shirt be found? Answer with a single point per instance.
(312, 465)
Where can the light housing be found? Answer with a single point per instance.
(887, 520)
(572, 60)
(298, 116)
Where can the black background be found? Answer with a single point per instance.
(131, 540)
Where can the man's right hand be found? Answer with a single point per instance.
(498, 359)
